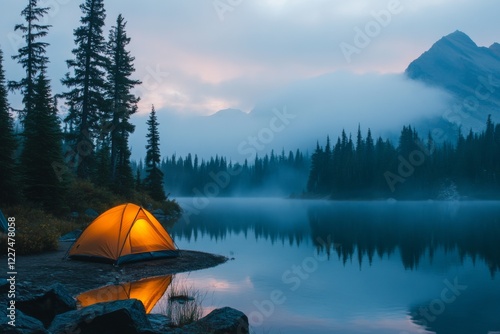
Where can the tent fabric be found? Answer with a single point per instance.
(148, 291)
(125, 233)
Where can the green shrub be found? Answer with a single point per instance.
(36, 231)
(84, 194)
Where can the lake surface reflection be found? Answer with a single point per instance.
(349, 267)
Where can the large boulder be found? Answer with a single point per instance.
(47, 305)
(117, 317)
(224, 320)
(23, 324)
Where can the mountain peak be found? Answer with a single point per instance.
(456, 64)
(229, 112)
(459, 37)
(451, 55)
(495, 48)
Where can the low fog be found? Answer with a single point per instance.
(297, 116)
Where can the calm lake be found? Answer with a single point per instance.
(348, 267)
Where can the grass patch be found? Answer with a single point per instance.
(183, 305)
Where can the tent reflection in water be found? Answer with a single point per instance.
(148, 291)
(125, 233)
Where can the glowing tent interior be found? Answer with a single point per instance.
(125, 233)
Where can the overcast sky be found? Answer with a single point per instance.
(200, 56)
(196, 57)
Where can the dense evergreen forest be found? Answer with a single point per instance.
(416, 168)
(52, 158)
(271, 175)
(364, 168)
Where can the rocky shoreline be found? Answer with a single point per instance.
(54, 311)
(47, 284)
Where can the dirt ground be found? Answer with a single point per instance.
(41, 270)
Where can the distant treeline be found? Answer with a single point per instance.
(270, 174)
(416, 168)
(363, 168)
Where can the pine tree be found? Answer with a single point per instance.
(32, 55)
(154, 176)
(138, 182)
(313, 183)
(103, 164)
(368, 161)
(42, 149)
(8, 174)
(325, 179)
(359, 160)
(124, 104)
(87, 82)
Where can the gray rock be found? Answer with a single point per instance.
(47, 305)
(91, 213)
(220, 321)
(159, 322)
(121, 316)
(24, 324)
(71, 236)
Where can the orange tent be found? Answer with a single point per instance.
(148, 291)
(125, 233)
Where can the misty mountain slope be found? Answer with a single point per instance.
(298, 115)
(454, 83)
(471, 73)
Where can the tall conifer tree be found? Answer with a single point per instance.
(32, 55)
(8, 174)
(87, 82)
(42, 149)
(154, 176)
(123, 105)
